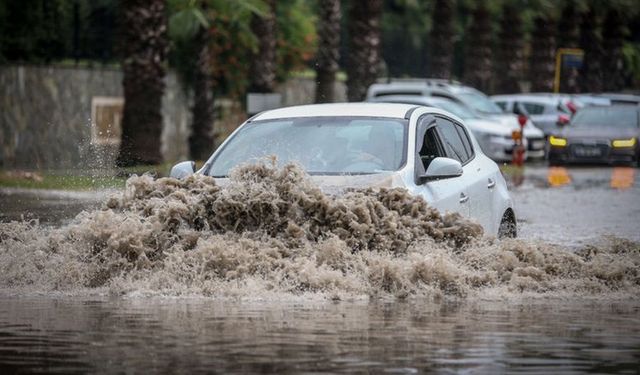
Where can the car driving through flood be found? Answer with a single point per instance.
(427, 151)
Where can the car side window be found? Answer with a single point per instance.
(465, 140)
(502, 105)
(533, 108)
(431, 147)
(453, 144)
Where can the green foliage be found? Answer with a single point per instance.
(297, 37)
(631, 54)
(39, 31)
(228, 24)
(229, 32)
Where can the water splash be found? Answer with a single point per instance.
(271, 233)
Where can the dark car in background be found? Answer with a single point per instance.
(598, 135)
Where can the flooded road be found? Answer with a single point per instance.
(69, 335)
(563, 299)
(578, 205)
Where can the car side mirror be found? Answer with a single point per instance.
(183, 169)
(441, 168)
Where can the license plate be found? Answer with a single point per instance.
(587, 151)
(536, 145)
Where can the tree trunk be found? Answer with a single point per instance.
(568, 37)
(441, 51)
(590, 42)
(144, 51)
(477, 62)
(613, 61)
(328, 50)
(263, 66)
(510, 53)
(201, 140)
(364, 47)
(543, 51)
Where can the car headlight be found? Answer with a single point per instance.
(624, 142)
(557, 141)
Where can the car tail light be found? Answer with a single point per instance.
(563, 119)
(522, 120)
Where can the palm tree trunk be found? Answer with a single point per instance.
(328, 50)
(477, 72)
(590, 42)
(613, 40)
(144, 51)
(263, 66)
(441, 51)
(364, 47)
(543, 51)
(201, 140)
(510, 53)
(568, 37)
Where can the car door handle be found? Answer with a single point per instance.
(463, 197)
(491, 184)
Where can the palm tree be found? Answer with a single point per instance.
(194, 23)
(263, 64)
(591, 44)
(365, 46)
(543, 51)
(189, 23)
(510, 53)
(144, 50)
(328, 49)
(441, 51)
(613, 40)
(569, 37)
(479, 55)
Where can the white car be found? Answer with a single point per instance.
(426, 150)
(494, 136)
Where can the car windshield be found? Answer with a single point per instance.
(321, 145)
(455, 108)
(479, 102)
(606, 116)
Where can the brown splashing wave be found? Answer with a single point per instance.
(271, 232)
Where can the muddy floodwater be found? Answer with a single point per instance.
(269, 274)
(70, 335)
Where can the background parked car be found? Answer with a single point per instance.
(598, 134)
(495, 139)
(546, 112)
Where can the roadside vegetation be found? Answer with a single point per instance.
(83, 180)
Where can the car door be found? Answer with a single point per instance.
(447, 195)
(477, 179)
(483, 185)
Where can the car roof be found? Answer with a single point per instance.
(417, 87)
(529, 97)
(407, 99)
(387, 110)
(615, 107)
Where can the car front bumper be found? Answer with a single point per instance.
(602, 152)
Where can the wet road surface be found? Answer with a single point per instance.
(70, 333)
(62, 335)
(576, 205)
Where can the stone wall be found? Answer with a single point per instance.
(45, 115)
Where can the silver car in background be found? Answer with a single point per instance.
(474, 100)
(495, 139)
(548, 113)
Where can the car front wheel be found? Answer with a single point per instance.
(508, 227)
